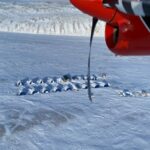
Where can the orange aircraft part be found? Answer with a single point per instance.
(94, 8)
(127, 35)
(124, 34)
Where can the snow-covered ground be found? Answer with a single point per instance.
(118, 118)
(67, 120)
(44, 17)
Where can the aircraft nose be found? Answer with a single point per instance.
(94, 8)
(77, 3)
(86, 6)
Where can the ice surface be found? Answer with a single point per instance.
(67, 120)
(119, 117)
(45, 17)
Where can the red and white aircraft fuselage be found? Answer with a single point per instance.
(127, 29)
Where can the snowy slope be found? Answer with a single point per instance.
(67, 120)
(44, 17)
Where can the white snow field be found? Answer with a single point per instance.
(54, 17)
(59, 115)
(68, 120)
